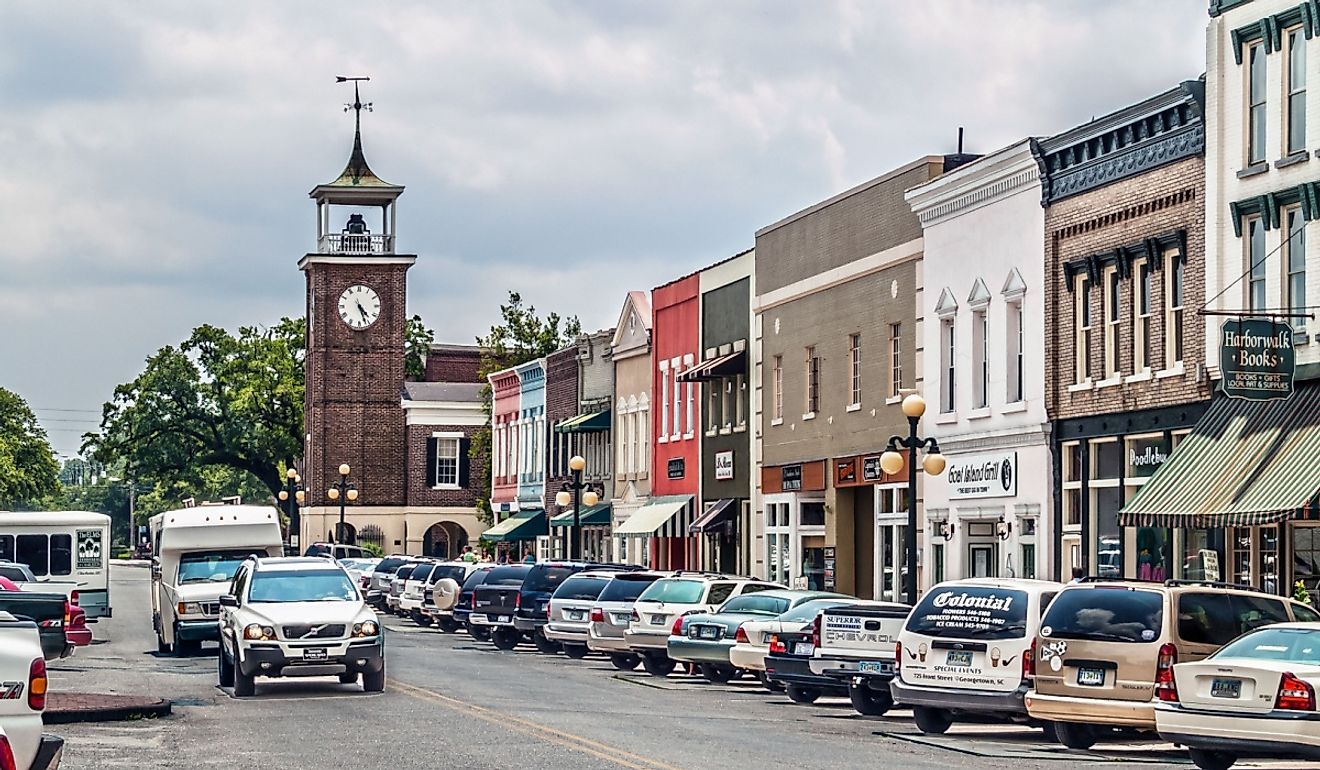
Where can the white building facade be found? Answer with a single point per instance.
(983, 354)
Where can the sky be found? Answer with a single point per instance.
(158, 155)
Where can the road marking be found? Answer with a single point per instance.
(536, 730)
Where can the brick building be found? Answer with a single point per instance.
(1124, 200)
(587, 433)
(561, 405)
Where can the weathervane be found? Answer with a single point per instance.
(357, 106)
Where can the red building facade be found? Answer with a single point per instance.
(676, 417)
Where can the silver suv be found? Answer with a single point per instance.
(612, 614)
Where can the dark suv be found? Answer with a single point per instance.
(494, 603)
(521, 613)
(467, 600)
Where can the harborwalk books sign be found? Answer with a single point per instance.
(1257, 360)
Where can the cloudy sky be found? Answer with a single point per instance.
(157, 155)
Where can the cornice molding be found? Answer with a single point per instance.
(979, 183)
(1186, 142)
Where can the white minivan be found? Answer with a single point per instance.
(967, 648)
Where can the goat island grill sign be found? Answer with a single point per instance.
(1256, 359)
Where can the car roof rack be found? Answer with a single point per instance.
(1212, 584)
(1115, 579)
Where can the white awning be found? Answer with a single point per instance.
(657, 518)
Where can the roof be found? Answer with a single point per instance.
(210, 515)
(701, 270)
(455, 347)
(864, 186)
(443, 391)
(293, 563)
(17, 518)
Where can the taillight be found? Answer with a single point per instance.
(741, 637)
(1029, 663)
(898, 657)
(6, 755)
(1294, 694)
(473, 601)
(634, 617)
(73, 596)
(68, 613)
(777, 646)
(815, 631)
(37, 684)
(517, 601)
(597, 615)
(1165, 688)
(677, 630)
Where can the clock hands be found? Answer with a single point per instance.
(362, 310)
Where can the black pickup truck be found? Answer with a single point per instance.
(47, 611)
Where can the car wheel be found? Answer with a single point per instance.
(1051, 734)
(871, 703)
(932, 721)
(226, 669)
(544, 645)
(244, 685)
(480, 633)
(161, 647)
(374, 681)
(419, 618)
(624, 661)
(769, 683)
(799, 694)
(716, 674)
(348, 677)
(576, 651)
(448, 625)
(187, 648)
(1211, 760)
(505, 638)
(1074, 735)
(657, 663)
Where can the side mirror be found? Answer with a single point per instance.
(228, 600)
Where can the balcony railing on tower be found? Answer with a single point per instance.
(355, 243)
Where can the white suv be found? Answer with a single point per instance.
(297, 617)
(671, 598)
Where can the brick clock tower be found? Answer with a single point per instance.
(356, 316)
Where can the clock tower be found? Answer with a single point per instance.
(356, 317)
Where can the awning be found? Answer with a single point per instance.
(523, 525)
(1246, 463)
(585, 423)
(716, 514)
(715, 368)
(595, 516)
(660, 517)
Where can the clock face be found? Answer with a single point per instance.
(359, 306)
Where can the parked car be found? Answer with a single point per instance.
(413, 591)
(394, 597)
(47, 612)
(23, 670)
(857, 644)
(22, 577)
(1255, 697)
(788, 667)
(495, 601)
(668, 599)
(467, 601)
(285, 615)
(337, 551)
(753, 644)
(379, 585)
(612, 613)
(967, 650)
(570, 611)
(419, 590)
(360, 570)
(440, 596)
(533, 611)
(76, 631)
(1105, 645)
(707, 638)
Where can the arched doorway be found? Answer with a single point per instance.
(346, 534)
(444, 540)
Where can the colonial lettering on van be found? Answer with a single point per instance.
(982, 475)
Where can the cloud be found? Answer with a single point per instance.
(158, 155)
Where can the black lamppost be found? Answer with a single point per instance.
(342, 490)
(577, 493)
(892, 462)
(293, 496)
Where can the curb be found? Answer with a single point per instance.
(112, 709)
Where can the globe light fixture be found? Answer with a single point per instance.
(891, 462)
(577, 463)
(332, 493)
(563, 499)
(590, 498)
(933, 464)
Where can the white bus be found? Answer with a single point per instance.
(63, 546)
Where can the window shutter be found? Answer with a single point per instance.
(464, 446)
(432, 447)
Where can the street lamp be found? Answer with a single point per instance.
(293, 496)
(341, 490)
(577, 493)
(891, 462)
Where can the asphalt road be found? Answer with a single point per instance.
(454, 702)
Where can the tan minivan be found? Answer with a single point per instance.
(1106, 647)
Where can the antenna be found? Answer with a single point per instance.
(960, 140)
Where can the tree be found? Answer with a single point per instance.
(417, 344)
(215, 401)
(521, 337)
(28, 470)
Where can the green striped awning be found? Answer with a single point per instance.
(523, 525)
(585, 423)
(595, 516)
(1246, 463)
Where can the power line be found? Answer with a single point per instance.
(52, 409)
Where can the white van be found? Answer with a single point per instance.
(197, 551)
(967, 648)
(63, 546)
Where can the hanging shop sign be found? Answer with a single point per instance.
(724, 465)
(982, 475)
(790, 478)
(1257, 360)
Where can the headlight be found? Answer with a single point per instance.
(254, 631)
(366, 628)
(189, 608)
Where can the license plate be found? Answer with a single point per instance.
(960, 658)
(765, 637)
(803, 648)
(575, 616)
(658, 620)
(1091, 677)
(710, 632)
(622, 620)
(314, 653)
(1226, 688)
(503, 619)
(871, 667)
(478, 619)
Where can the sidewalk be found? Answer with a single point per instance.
(64, 708)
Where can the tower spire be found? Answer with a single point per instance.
(357, 173)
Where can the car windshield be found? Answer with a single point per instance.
(509, 575)
(302, 586)
(1105, 613)
(756, 604)
(978, 612)
(388, 565)
(421, 573)
(1293, 645)
(545, 579)
(674, 591)
(584, 588)
(626, 589)
(454, 573)
(210, 566)
(476, 578)
(404, 572)
(807, 611)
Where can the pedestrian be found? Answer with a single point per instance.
(1077, 574)
(468, 555)
(529, 558)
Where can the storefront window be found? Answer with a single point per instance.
(1152, 545)
(1072, 462)
(1200, 562)
(937, 558)
(1267, 560)
(812, 514)
(1029, 561)
(1306, 557)
(778, 544)
(1104, 518)
(1106, 459)
(813, 568)
(1239, 540)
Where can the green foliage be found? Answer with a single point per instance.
(205, 415)
(1300, 593)
(520, 337)
(28, 470)
(417, 344)
(373, 549)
